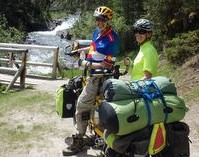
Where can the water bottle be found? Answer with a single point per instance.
(82, 57)
(96, 116)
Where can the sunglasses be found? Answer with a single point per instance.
(100, 19)
(139, 31)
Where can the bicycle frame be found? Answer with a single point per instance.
(104, 73)
(94, 128)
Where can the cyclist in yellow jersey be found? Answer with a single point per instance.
(146, 61)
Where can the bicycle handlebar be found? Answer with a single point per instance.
(106, 72)
(72, 53)
(103, 72)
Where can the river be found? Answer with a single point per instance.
(50, 38)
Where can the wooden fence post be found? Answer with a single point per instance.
(23, 72)
(55, 63)
(10, 59)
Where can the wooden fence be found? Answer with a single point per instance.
(21, 69)
(55, 50)
(23, 49)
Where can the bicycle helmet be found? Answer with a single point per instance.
(143, 24)
(104, 13)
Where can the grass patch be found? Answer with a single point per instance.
(192, 95)
(13, 136)
(24, 118)
(165, 68)
(72, 72)
(17, 134)
(2, 87)
(58, 14)
(10, 134)
(23, 99)
(183, 79)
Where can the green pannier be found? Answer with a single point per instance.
(126, 116)
(66, 97)
(138, 141)
(65, 101)
(114, 89)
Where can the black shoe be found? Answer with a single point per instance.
(75, 147)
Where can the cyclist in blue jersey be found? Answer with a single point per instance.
(100, 55)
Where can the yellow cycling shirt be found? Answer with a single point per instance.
(147, 59)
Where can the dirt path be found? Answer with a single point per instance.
(53, 142)
(65, 125)
(192, 119)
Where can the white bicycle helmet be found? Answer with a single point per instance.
(143, 24)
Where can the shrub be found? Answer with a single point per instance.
(182, 47)
(2, 87)
(9, 34)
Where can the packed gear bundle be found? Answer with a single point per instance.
(144, 105)
(126, 116)
(142, 117)
(115, 89)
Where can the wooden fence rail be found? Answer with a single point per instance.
(21, 72)
(55, 50)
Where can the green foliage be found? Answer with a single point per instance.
(132, 10)
(73, 72)
(172, 16)
(73, 5)
(23, 99)
(58, 14)
(184, 46)
(83, 29)
(125, 33)
(165, 68)
(25, 14)
(2, 88)
(9, 34)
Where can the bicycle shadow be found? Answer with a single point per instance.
(89, 152)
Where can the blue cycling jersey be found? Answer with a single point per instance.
(104, 47)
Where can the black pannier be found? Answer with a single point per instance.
(66, 97)
(178, 143)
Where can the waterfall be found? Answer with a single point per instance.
(49, 38)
